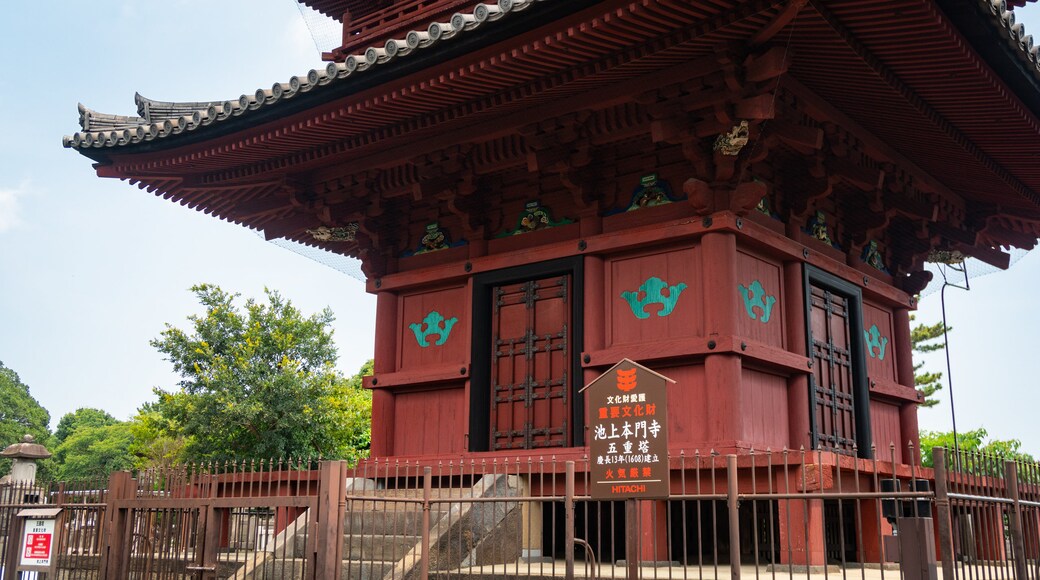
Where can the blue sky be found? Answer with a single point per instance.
(91, 269)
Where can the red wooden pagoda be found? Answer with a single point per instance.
(739, 194)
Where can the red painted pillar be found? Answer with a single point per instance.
(722, 371)
(874, 528)
(797, 385)
(801, 532)
(908, 429)
(653, 531)
(385, 361)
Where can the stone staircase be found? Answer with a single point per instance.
(383, 532)
(378, 535)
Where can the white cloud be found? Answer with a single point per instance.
(9, 205)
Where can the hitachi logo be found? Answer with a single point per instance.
(628, 489)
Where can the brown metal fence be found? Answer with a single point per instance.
(761, 514)
(79, 538)
(989, 512)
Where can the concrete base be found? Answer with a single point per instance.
(649, 563)
(801, 569)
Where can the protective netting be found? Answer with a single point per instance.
(957, 269)
(326, 32)
(345, 264)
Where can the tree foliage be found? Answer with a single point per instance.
(94, 451)
(157, 442)
(921, 341)
(975, 440)
(82, 417)
(257, 382)
(20, 414)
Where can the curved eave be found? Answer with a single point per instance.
(440, 42)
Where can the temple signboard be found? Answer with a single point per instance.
(628, 443)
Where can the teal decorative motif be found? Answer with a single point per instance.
(875, 342)
(435, 324)
(535, 217)
(653, 291)
(755, 297)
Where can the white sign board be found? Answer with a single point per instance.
(38, 542)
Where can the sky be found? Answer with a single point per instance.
(92, 269)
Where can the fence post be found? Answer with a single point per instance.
(568, 518)
(329, 541)
(115, 547)
(942, 513)
(1017, 540)
(733, 505)
(427, 493)
(211, 522)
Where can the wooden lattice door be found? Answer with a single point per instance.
(530, 364)
(832, 380)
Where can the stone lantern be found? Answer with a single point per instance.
(24, 456)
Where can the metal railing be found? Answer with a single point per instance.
(761, 514)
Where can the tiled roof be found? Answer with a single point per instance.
(1015, 32)
(158, 120)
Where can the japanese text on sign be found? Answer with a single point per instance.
(629, 446)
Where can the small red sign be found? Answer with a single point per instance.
(37, 546)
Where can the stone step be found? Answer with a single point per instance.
(387, 522)
(413, 493)
(292, 569)
(367, 570)
(378, 548)
(368, 547)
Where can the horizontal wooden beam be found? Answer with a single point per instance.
(438, 374)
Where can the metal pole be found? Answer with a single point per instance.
(1017, 540)
(568, 522)
(427, 492)
(942, 514)
(734, 519)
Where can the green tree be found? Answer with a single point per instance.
(82, 417)
(255, 383)
(921, 341)
(157, 441)
(94, 452)
(20, 414)
(356, 413)
(975, 440)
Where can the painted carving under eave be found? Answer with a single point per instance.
(535, 217)
(872, 257)
(654, 291)
(754, 296)
(433, 324)
(346, 233)
(434, 240)
(731, 143)
(818, 228)
(876, 343)
(651, 192)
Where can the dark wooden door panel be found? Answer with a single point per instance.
(832, 379)
(530, 362)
